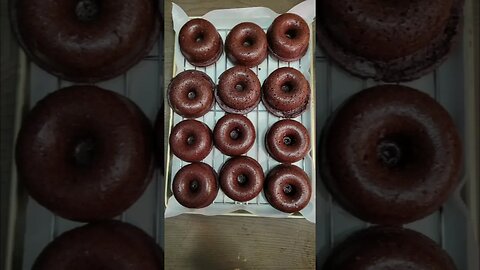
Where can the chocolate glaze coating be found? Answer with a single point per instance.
(287, 141)
(86, 40)
(195, 185)
(287, 188)
(234, 134)
(190, 93)
(416, 23)
(288, 37)
(387, 40)
(200, 42)
(246, 45)
(85, 153)
(238, 90)
(110, 245)
(379, 248)
(191, 140)
(391, 155)
(241, 178)
(286, 92)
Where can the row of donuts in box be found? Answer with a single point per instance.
(285, 93)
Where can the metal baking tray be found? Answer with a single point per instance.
(451, 226)
(261, 120)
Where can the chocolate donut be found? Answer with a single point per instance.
(246, 45)
(190, 93)
(238, 90)
(86, 40)
(286, 93)
(388, 248)
(191, 140)
(288, 37)
(389, 40)
(109, 245)
(287, 141)
(85, 153)
(200, 42)
(195, 185)
(241, 178)
(391, 155)
(234, 134)
(287, 188)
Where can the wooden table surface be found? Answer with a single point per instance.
(223, 242)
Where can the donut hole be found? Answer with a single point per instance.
(289, 140)
(289, 190)
(390, 153)
(194, 186)
(199, 37)
(248, 42)
(84, 152)
(240, 87)
(287, 87)
(191, 139)
(192, 94)
(87, 10)
(291, 33)
(242, 179)
(235, 134)
(404, 151)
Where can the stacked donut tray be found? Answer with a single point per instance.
(35, 225)
(450, 226)
(261, 119)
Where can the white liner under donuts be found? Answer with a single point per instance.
(224, 21)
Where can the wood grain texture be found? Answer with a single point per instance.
(200, 242)
(197, 242)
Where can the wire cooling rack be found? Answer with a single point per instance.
(261, 119)
(143, 84)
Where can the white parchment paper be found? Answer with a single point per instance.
(224, 20)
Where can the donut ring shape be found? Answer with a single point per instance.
(287, 188)
(241, 178)
(195, 185)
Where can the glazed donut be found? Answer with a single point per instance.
(288, 37)
(238, 90)
(86, 40)
(391, 155)
(195, 185)
(191, 140)
(85, 153)
(241, 178)
(246, 45)
(388, 248)
(200, 42)
(388, 40)
(190, 93)
(286, 93)
(287, 141)
(234, 134)
(287, 188)
(106, 245)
